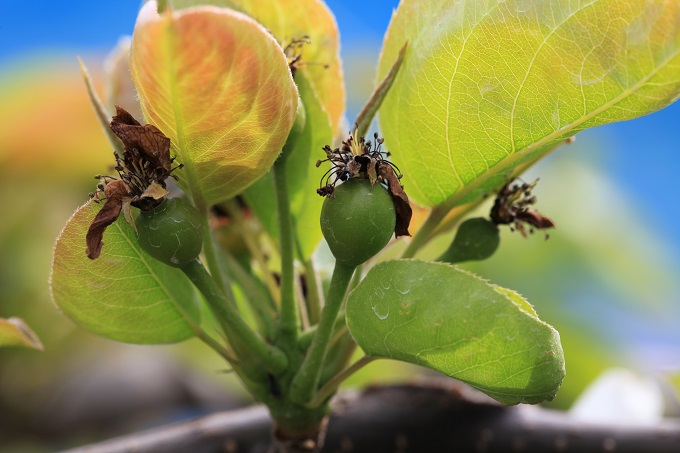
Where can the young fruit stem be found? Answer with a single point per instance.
(314, 296)
(245, 340)
(259, 301)
(438, 213)
(306, 380)
(209, 249)
(254, 248)
(332, 385)
(288, 323)
(219, 276)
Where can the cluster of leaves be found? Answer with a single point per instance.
(482, 91)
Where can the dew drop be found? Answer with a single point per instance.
(381, 316)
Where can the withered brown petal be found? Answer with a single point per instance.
(536, 219)
(399, 198)
(148, 139)
(116, 193)
(124, 117)
(155, 191)
(372, 174)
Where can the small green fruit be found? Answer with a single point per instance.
(358, 221)
(172, 232)
(476, 239)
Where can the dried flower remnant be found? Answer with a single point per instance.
(512, 207)
(142, 171)
(364, 159)
(293, 52)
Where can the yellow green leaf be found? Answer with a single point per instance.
(124, 294)
(217, 83)
(487, 85)
(15, 332)
(289, 19)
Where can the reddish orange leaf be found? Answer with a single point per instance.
(218, 84)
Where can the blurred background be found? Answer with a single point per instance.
(607, 279)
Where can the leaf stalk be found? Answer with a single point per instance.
(306, 380)
(245, 340)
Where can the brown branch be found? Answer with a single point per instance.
(410, 418)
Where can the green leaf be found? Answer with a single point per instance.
(303, 177)
(15, 332)
(218, 85)
(123, 295)
(488, 85)
(440, 317)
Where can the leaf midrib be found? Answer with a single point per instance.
(178, 306)
(509, 160)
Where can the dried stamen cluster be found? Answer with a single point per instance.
(512, 207)
(293, 52)
(142, 171)
(354, 158)
(360, 158)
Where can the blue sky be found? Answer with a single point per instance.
(91, 26)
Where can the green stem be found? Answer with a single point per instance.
(244, 339)
(215, 345)
(213, 265)
(255, 249)
(288, 321)
(207, 339)
(332, 385)
(306, 380)
(340, 331)
(258, 297)
(306, 337)
(209, 250)
(342, 353)
(314, 296)
(456, 215)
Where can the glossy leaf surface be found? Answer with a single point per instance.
(217, 83)
(441, 317)
(487, 85)
(124, 294)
